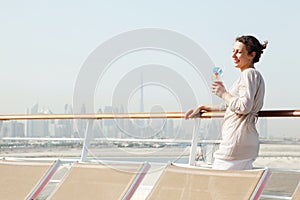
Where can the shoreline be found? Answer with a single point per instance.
(273, 156)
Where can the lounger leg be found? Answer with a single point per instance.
(194, 142)
(87, 139)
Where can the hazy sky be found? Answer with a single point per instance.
(44, 44)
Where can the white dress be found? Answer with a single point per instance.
(240, 140)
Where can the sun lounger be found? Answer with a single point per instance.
(296, 195)
(100, 181)
(24, 180)
(177, 182)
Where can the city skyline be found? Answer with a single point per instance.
(102, 128)
(120, 128)
(46, 44)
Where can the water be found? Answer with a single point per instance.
(182, 160)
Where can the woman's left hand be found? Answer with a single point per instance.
(218, 88)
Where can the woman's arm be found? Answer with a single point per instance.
(248, 87)
(219, 89)
(192, 113)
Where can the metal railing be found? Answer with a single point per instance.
(102, 116)
(174, 115)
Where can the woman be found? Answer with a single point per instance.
(240, 141)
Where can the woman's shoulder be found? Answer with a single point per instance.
(251, 72)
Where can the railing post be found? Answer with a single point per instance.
(87, 139)
(194, 142)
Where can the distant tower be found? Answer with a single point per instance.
(142, 94)
(30, 125)
(26, 124)
(142, 121)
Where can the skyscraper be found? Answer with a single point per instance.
(37, 128)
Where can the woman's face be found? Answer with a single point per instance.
(241, 58)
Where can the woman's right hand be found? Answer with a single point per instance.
(192, 113)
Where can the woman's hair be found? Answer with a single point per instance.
(253, 45)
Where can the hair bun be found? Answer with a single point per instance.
(264, 44)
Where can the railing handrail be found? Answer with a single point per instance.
(144, 115)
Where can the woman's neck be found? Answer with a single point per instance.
(247, 67)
